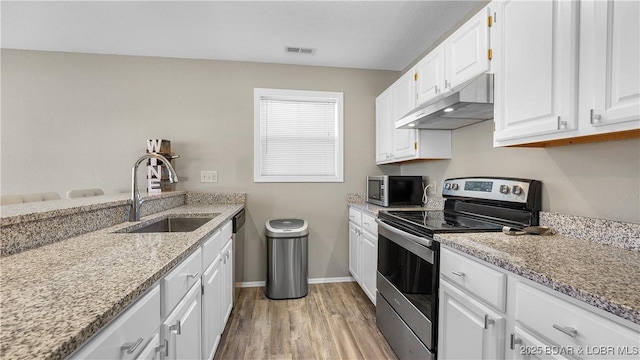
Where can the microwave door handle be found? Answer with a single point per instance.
(419, 240)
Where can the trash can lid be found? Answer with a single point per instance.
(286, 228)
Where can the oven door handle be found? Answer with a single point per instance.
(417, 239)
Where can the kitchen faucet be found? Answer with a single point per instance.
(136, 198)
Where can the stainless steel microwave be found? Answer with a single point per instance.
(389, 190)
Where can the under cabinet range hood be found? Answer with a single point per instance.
(468, 104)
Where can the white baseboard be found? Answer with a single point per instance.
(331, 280)
(248, 284)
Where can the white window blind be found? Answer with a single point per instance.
(298, 136)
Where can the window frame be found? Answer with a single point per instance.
(301, 95)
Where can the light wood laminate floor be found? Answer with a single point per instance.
(334, 321)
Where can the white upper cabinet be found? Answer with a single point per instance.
(403, 100)
(566, 71)
(467, 50)
(383, 133)
(461, 57)
(610, 74)
(535, 57)
(429, 75)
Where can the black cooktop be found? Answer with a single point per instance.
(430, 222)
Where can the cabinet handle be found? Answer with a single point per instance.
(595, 118)
(447, 84)
(515, 341)
(457, 273)
(488, 321)
(194, 275)
(164, 346)
(437, 90)
(366, 223)
(561, 124)
(177, 327)
(132, 346)
(566, 330)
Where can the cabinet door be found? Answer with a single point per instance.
(467, 328)
(182, 328)
(212, 310)
(615, 53)
(535, 55)
(227, 280)
(528, 347)
(467, 50)
(369, 265)
(403, 100)
(354, 239)
(430, 76)
(383, 124)
(152, 350)
(125, 337)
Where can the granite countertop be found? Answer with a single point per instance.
(55, 297)
(604, 276)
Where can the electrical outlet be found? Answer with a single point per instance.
(208, 176)
(433, 188)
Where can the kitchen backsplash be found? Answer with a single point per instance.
(608, 232)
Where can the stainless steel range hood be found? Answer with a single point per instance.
(469, 104)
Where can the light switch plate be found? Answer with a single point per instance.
(208, 176)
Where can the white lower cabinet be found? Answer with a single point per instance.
(154, 349)
(212, 316)
(572, 329)
(363, 251)
(128, 334)
(181, 317)
(227, 281)
(181, 329)
(469, 329)
(217, 289)
(536, 323)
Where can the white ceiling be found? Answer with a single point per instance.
(385, 35)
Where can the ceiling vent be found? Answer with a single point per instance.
(299, 50)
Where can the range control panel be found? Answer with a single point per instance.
(501, 189)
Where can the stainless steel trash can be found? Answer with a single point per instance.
(287, 258)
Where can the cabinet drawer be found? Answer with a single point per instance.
(570, 325)
(227, 232)
(369, 224)
(211, 248)
(176, 284)
(133, 329)
(355, 216)
(482, 281)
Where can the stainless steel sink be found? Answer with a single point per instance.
(170, 224)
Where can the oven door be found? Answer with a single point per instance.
(407, 282)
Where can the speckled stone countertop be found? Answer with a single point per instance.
(55, 297)
(606, 277)
(432, 204)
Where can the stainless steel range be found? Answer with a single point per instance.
(408, 258)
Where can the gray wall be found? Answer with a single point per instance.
(80, 120)
(600, 180)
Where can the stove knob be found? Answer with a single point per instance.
(454, 186)
(504, 189)
(447, 186)
(517, 190)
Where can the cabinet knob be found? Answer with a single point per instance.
(132, 346)
(515, 341)
(177, 328)
(164, 346)
(488, 321)
(566, 330)
(595, 117)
